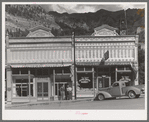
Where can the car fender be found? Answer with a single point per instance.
(106, 94)
(131, 88)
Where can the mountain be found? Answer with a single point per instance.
(19, 18)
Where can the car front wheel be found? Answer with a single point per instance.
(100, 97)
(131, 95)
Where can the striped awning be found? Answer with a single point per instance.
(101, 64)
(38, 65)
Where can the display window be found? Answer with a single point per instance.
(85, 80)
(21, 88)
(125, 76)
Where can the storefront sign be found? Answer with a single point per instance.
(84, 80)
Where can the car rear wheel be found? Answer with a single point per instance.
(137, 96)
(100, 97)
(131, 95)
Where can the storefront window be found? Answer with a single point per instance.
(124, 76)
(85, 80)
(22, 88)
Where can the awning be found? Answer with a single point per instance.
(99, 63)
(38, 65)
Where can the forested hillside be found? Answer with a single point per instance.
(19, 18)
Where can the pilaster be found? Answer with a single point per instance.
(73, 81)
(136, 48)
(9, 84)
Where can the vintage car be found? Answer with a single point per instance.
(118, 89)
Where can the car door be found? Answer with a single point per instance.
(115, 90)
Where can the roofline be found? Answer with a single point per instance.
(106, 26)
(40, 27)
(71, 37)
(39, 37)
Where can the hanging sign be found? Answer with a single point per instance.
(84, 80)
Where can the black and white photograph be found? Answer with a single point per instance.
(74, 61)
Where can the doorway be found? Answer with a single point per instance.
(103, 82)
(58, 85)
(42, 91)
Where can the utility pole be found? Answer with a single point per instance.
(74, 63)
(126, 21)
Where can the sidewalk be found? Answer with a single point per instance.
(57, 102)
(46, 102)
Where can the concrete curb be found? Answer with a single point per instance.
(57, 102)
(46, 103)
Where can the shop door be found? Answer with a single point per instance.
(103, 82)
(42, 91)
(57, 89)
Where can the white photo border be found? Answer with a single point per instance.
(71, 114)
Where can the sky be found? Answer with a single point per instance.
(85, 8)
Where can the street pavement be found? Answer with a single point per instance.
(120, 103)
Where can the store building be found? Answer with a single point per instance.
(39, 64)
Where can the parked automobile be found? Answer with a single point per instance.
(118, 89)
